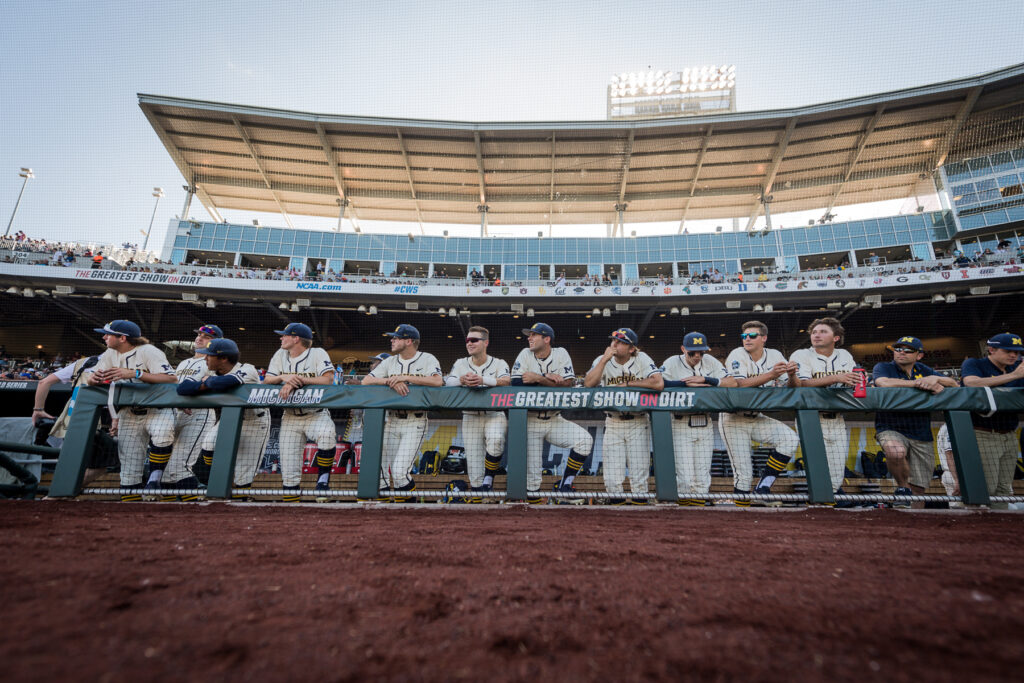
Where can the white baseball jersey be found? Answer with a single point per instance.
(192, 368)
(639, 366)
(557, 362)
(147, 358)
(813, 365)
(495, 368)
(312, 362)
(740, 365)
(421, 365)
(676, 368)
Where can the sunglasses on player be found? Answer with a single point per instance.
(903, 349)
(207, 330)
(474, 340)
(750, 335)
(694, 353)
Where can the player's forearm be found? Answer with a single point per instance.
(593, 377)
(655, 382)
(273, 379)
(324, 379)
(755, 381)
(886, 382)
(43, 390)
(429, 381)
(157, 378)
(813, 382)
(503, 381)
(975, 381)
(371, 380)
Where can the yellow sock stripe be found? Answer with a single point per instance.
(574, 464)
(208, 459)
(491, 466)
(324, 462)
(130, 497)
(159, 458)
(776, 464)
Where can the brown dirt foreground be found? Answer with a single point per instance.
(119, 592)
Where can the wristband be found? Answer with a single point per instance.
(713, 381)
(490, 381)
(138, 374)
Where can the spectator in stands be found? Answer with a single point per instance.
(906, 437)
(872, 259)
(997, 433)
(961, 260)
(97, 260)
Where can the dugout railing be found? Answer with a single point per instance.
(956, 406)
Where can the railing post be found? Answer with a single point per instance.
(222, 473)
(812, 443)
(515, 486)
(370, 457)
(76, 450)
(665, 474)
(969, 471)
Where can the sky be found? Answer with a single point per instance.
(71, 72)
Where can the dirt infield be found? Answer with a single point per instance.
(118, 592)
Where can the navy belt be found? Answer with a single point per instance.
(403, 414)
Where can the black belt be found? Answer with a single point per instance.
(751, 413)
(625, 416)
(830, 416)
(404, 414)
(545, 417)
(139, 411)
(686, 416)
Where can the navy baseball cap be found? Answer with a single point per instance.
(381, 356)
(220, 347)
(210, 331)
(298, 329)
(624, 334)
(909, 342)
(542, 329)
(695, 341)
(121, 327)
(404, 332)
(1006, 341)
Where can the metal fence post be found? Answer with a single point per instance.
(665, 483)
(370, 456)
(812, 443)
(222, 473)
(515, 486)
(973, 489)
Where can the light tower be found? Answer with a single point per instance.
(694, 91)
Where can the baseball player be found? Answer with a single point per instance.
(826, 365)
(483, 431)
(753, 365)
(189, 423)
(540, 364)
(74, 374)
(997, 433)
(693, 438)
(404, 429)
(627, 435)
(131, 358)
(226, 373)
(297, 364)
(906, 438)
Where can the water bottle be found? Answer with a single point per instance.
(861, 390)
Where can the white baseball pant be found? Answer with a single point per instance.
(693, 448)
(402, 439)
(627, 442)
(190, 428)
(482, 434)
(135, 433)
(739, 430)
(295, 431)
(557, 431)
(252, 442)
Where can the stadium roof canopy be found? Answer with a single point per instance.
(577, 172)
